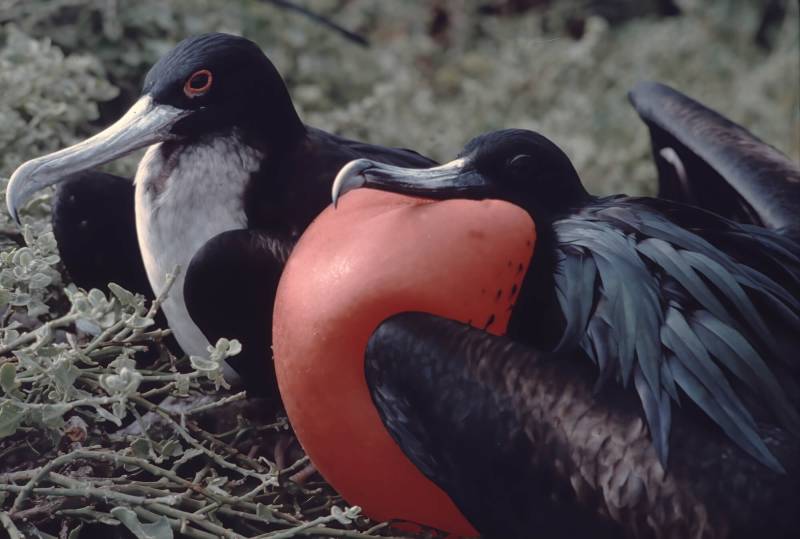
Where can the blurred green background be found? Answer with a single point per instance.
(435, 73)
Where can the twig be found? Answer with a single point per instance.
(11, 528)
(211, 405)
(88, 514)
(317, 527)
(302, 476)
(188, 438)
(157, 505)
(37, 510)
(177, 525)
(38, 475)
(25, 338)
(321, 19)
(120, 329)
(83, 490)
(376, 528)
(333, 532)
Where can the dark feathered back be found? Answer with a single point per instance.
(667, 307)
(707, 160)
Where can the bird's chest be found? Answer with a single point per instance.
(185, 196)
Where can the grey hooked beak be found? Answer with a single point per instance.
(144, 124)
(451, 180)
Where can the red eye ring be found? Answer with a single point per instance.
(198, 84)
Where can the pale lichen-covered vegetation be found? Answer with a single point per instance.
(86, 435)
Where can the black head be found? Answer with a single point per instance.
(226, 81)
(526, 168)
(516, 165)
(207, 85)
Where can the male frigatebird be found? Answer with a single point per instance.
(230, 180)
(376, 255)
(569, 425)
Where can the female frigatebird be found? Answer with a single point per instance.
(230, 180)
(567, 426)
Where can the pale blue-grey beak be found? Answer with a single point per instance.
(144, 124)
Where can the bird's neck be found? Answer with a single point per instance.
(271, 122)
(187, 193)
(537, 317)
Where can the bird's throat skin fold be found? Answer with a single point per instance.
(380, 254)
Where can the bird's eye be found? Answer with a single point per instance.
(198, 84)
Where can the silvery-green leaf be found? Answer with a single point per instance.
(141, 448)
(5, 297)
(265, 513)
(47, 241)
(20, 299)
(26, 360)
(216, 485)
(87, 326)
(123, 360)
(97, 298)
(125, 382)
(53, 416)
(75, 533)
(124, 296)
(182, 384)
(22, 257)
(112, 383)
(172, 448)
(203, 364)
(11, 416)
(64, 373)
(39, 280)
(234, 348)
(104, 414)
(36, 308)
(8, 379)
(139, 322)
(80, 304)
(107, 320)
(160, 529)
(119, 410)
(7, 280)
(345, 516)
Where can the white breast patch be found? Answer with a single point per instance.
(182, 201)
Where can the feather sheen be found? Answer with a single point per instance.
(675, 311)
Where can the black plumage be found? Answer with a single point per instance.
(672, 308)
(706, 160)
(95, 229)
(526, 448)
(215, 103)
(672, 303)
(231, 281)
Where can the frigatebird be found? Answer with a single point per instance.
(230, 180)
(568, 425)
(375, 255)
